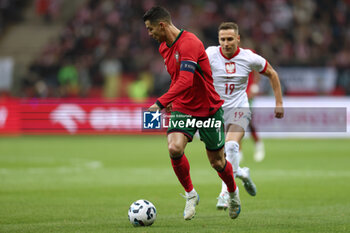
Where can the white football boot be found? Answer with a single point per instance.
(222, 203)
(190, 207)
(247, 181)
(234, 204)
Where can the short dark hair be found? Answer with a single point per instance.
(157, 14)
(228, 25)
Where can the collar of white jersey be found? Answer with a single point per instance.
(235, 54)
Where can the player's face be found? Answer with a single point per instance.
(155, 31)
(229, 41)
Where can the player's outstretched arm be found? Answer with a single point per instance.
(271, 73)
(154, 108)
(254, 86)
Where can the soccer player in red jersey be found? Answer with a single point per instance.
(252, 91)
(194, 101)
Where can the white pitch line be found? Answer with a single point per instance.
(74, 167)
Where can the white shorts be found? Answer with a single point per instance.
(239, 116)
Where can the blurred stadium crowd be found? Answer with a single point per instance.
(105, 46)
(10, 12)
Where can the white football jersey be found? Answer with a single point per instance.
(231, 74)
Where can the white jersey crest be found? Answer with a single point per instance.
(230, 67)
(231, 74)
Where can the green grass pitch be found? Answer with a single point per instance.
(87, 183)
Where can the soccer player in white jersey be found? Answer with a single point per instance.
(231, 66)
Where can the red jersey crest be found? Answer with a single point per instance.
(177, 57)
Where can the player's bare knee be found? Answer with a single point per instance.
(218, 165)
(175, 150)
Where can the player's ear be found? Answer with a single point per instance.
(162, 25)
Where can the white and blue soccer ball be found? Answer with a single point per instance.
(142, 213)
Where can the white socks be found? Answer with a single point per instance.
(192, 193)
(232, 150)
(236, 192)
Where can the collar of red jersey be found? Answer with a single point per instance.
(178, 36)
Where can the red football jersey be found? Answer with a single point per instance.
(250, 82)
(253, 78)
(191, 90)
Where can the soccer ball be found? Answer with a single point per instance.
(142, 213)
